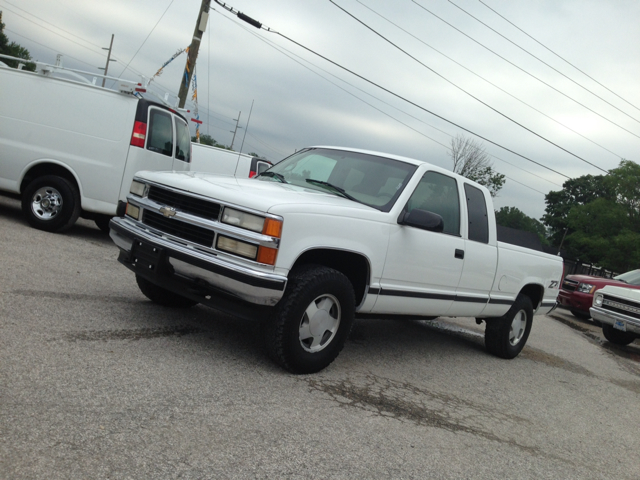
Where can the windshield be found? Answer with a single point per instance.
(632, 277)
(369, 179)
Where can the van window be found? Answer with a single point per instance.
(478, 220)
(183, 141)
(438, 193)
(160, 132)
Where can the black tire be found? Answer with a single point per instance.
(303, 343)
(506, 336)
(616, 336)
(102, 222)
(580, 314)
(51, 203)
(162, 296)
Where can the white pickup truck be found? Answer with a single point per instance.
(618, 310)
(328, 235)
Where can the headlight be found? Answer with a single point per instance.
(138, 188)
(598, 299)
(586, 288)
(237, 247)
(243, 220)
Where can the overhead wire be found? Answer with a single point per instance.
(542, 61)
(485, 80)
(557, 55)
(465, 91)
(524, 71)
(289, 54)
(260, 26)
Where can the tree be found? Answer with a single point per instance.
(472, 161)
(575, 192)
(209, 140)
(514, 218)
(14, 50)
(600, 216)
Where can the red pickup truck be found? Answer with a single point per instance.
(576, 292)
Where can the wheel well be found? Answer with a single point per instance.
(535, 293)
(353, 265)
(47, 169)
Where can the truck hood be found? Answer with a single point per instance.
(251, 193)
(600, 281)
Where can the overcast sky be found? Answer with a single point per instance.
(300, 100)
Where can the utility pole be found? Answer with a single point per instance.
(106, 67)
(235, 130)
(201, 25)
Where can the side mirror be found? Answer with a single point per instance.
(422, 219)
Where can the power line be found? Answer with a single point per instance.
(260, 26)
(524, 71)
(557, 55)
(463, 90)
(487, 81)
(289, 55)
(542, 61)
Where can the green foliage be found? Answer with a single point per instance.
(514, 218)
(472, 161)
(209, 140)
(489, 178)
(601, 217)
(14, 50)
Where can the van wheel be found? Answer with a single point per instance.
(506, 336)
(310, 324)
(162, 296)
(51, 203)
(102, 222)
(616, 336)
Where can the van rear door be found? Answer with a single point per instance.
(160, 141)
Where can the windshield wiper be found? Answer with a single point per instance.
(338, 190)
(273, 175)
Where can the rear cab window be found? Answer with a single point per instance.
(478, 218)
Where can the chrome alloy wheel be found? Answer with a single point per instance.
(518, 326)
(46, 203)
(320, 323)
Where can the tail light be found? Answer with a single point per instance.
(139, 134)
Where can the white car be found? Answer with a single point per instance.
(618, 309)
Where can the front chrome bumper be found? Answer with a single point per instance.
(177, 262)
(609, 317)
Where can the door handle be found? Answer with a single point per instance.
(459, 253)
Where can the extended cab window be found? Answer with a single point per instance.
(478, 220)
(183, 141)
(438, 193)
(160, 132)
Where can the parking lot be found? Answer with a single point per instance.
(98, 382)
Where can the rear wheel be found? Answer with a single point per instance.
(506, 336)
(310, 324)
(162, 296)
(51, 203)
(616, 336)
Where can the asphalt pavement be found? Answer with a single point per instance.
(97, 382)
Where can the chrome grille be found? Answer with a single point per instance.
(569, 285)
(185, 203)
(186, 231)
(618, 305)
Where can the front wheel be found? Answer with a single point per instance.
(310, 324)
(162, 296)
(616, 336)
(51, 203)
(506, 336)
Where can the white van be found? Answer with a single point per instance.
(70, 148)
(226, 162)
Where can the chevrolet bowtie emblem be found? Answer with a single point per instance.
(168, 211)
